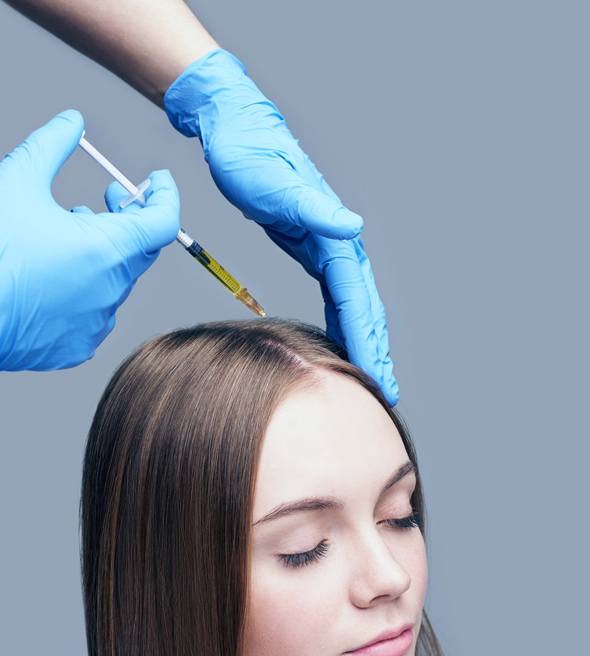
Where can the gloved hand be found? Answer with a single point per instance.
(64, 274)
(261, 169)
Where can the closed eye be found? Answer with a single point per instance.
(302, 559)
(411, 521)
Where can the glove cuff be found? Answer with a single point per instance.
(191, 98)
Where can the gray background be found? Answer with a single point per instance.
(459, 131)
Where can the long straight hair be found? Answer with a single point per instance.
(168, 484)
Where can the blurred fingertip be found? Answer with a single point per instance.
(161, 180)
(350, 223)
(164, 192)
(392, 393)
(73, 116)
(116, 187)
(69, 125)
(113, 196)
(81, 209)
(160, 171)
(161, 174)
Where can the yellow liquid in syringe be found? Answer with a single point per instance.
(227, 280)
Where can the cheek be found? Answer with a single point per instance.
(418, 569)
(290, 613)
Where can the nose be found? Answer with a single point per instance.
(375, 573)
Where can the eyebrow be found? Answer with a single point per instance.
(311, 504)
(404, 470)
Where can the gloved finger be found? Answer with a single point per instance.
(81, 209)
(331, 315)
(319, 213)
(161, 215)
(114, 194)
(157, 224)
(348, 289)
(45, 150)
(144, 266)
(107, 329)
(384, 375)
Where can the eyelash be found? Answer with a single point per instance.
(411, 521)
(298, 560)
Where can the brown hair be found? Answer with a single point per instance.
(168, 484)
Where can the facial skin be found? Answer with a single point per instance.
(335, 442)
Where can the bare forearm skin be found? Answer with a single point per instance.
(147, 43)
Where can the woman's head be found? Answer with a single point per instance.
(234, 501)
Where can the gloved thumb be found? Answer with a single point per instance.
(319, 213)
(155, 225)
(44, 152)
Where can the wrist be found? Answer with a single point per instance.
(216, 78)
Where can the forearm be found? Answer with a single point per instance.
(147, 43)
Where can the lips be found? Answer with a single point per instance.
(388, 643)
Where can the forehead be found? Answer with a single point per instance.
(332, 439)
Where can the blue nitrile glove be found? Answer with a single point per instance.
(64, 274)
(260, 168)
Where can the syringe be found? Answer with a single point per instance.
(195, 249)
